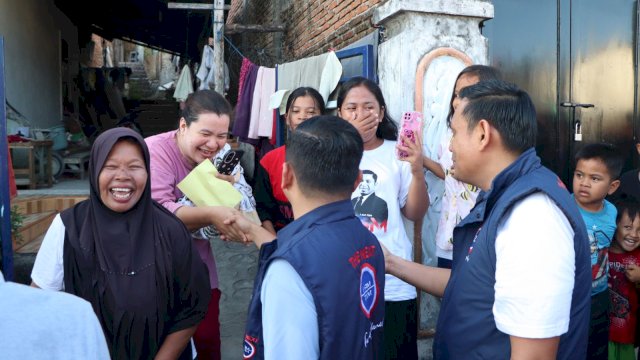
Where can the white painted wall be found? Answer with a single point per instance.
(32, 30)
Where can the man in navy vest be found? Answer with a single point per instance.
(319, 291)
(520, 281)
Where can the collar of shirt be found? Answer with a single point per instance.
(322, 215)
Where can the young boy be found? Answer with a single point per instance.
(319, 292)
(624, 258)
(596, 175)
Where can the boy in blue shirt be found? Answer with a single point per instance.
(598, 168)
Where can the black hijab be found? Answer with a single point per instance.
(125, 263)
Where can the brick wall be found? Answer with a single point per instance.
(313, 26)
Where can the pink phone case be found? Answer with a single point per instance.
(411, 124)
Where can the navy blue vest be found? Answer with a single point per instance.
(342, 265)
(466, 327)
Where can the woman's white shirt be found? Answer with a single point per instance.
(48, 272)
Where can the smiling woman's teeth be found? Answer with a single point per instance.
(121, 193)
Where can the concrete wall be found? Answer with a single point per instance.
(32, 30)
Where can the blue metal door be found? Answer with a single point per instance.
(5, 201)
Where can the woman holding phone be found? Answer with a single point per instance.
(390, 189)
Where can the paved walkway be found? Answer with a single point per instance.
(237, 265)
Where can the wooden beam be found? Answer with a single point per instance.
(194, 6)
(218, 45)
(240, 28)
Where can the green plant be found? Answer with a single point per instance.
(16, 222)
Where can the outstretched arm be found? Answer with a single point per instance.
(253, 232)
(534, 349)
(433, 166)
(426, 278)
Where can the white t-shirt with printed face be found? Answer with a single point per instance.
(379, 210)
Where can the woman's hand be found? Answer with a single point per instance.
(229, 178)
(413, 151)
(228, 232)
(253, 232)
(366, 125)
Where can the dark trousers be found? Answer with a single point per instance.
(401, 330)
(207, 335)
(599, 327)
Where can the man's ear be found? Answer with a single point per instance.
(483, 132)
(358, 181)
(613, 186)
(638, 147)
(288, 176)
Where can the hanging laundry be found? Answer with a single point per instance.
(245, 99)
(184, 86)
(261, 122)
(206, 74)
(244, 69)
(320, 72)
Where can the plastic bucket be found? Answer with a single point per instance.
(59, 137)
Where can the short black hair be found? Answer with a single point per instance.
(205, 102)
(605, 152)
(325, 153)
(629, 205)
(387, 130)
(507, 108)
(369, 172)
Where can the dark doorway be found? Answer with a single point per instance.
(577, 59)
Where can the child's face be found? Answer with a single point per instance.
(592, 183)
(627, 233)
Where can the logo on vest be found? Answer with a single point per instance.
(368, 289)
(466, 258)
(249, 349)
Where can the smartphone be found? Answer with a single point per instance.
(229, 162)
(411, 124)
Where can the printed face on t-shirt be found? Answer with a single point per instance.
(368, 185)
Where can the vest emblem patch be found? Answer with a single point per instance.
(249, 349)
(368, 289)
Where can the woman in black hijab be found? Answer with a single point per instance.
(128, 256)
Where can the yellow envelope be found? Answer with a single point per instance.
(203, 188)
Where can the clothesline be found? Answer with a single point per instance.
(234, 47)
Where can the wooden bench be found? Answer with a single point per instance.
(37, 151)
(76, 163)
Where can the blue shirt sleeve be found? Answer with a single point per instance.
(289, 318)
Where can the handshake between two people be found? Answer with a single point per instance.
(234, 226)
